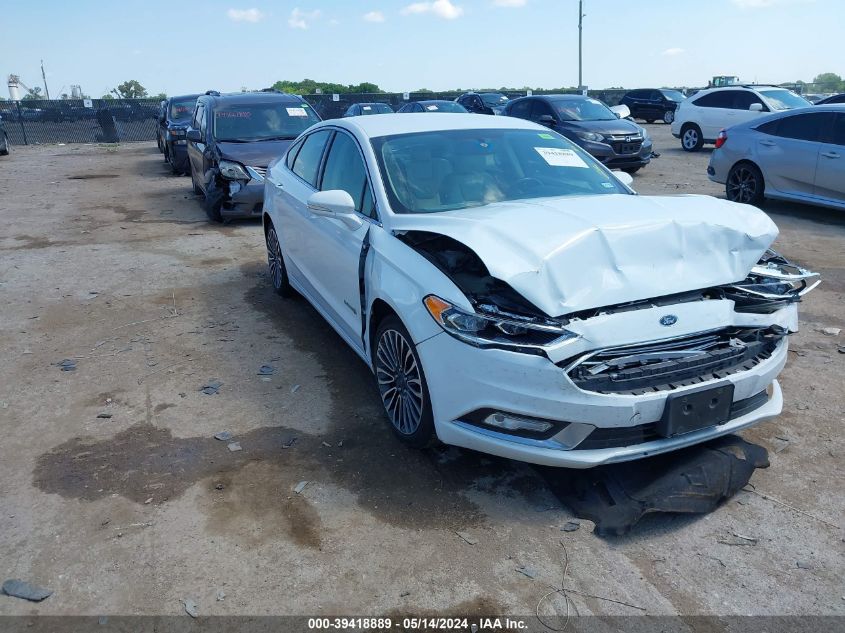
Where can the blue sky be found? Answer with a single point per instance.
(193, 45)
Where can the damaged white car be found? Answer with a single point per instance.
(513, 296)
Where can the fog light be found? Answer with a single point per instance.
(514, 423)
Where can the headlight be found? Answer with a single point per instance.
(233, 171)
(491, 330)
(644, 132)
(590, 136)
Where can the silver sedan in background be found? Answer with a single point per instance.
(795, 155)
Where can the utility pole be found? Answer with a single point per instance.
(580, 29)
(44, 77)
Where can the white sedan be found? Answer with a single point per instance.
(513, 296)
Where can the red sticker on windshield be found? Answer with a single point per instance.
(233, 115)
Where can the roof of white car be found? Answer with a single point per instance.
(375, 125)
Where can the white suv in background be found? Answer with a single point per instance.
(699, 119)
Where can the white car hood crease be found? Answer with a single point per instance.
(570, 254)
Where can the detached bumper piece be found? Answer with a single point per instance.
(668, 365)
(692, 480)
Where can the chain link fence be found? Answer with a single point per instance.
(79, 121)
(126, 120)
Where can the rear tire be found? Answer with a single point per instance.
(278, 272)
(745, 184)
(691, 139)
(402, 385)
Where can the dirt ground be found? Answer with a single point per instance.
(108, 260)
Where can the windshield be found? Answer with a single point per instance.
(375, 108)
(784, 99)
(262, 121)
(583, 110)
(182, 110)
(428, 172)
(443, 106)
(494, 99)
(673, 95)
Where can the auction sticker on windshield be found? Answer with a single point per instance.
(561, 157)
(296, 112)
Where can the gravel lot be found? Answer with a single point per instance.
(108, 260)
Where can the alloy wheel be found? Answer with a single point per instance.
(742, 185)
(690, 139)
(274, 258)
(399, 382)
(669, 116)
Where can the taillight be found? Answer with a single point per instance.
(721, 139)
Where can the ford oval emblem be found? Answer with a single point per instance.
(668, 319)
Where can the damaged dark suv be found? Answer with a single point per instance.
(232, 139)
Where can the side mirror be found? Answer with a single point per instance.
(621, 111)
(756, 107)
(624, 177)
(546, 119)
(337, 204)
(195, 136)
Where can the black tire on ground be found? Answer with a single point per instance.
(649, 120)
(669, 116)
(276, 263)
(197, 190)
(691, 139)
(632, 170)
(4, 146)
(745, 184)
(213, 203)
(402, 385)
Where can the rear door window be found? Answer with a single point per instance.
(306, 165)
(721, 99)
(520, 108)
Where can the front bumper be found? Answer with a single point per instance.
(244, 199)
(606, 153)
(463, 379)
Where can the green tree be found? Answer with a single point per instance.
(829, 82)
(131, 89)
(107, 97)
(161, 96)
(33, 94)
(309, 87)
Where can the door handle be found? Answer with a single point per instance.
(768, 143)
(830, 154)
(279, 185)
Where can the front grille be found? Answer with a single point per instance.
(668, 365)
(632, 435)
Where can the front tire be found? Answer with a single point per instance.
(691, 139)
(669, 117)
(402, 385)
(745, 184)
(278, 272)
(632, 170)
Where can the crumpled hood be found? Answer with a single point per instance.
(570, 254)
(255, 154)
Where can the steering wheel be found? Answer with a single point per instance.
(524, 185)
